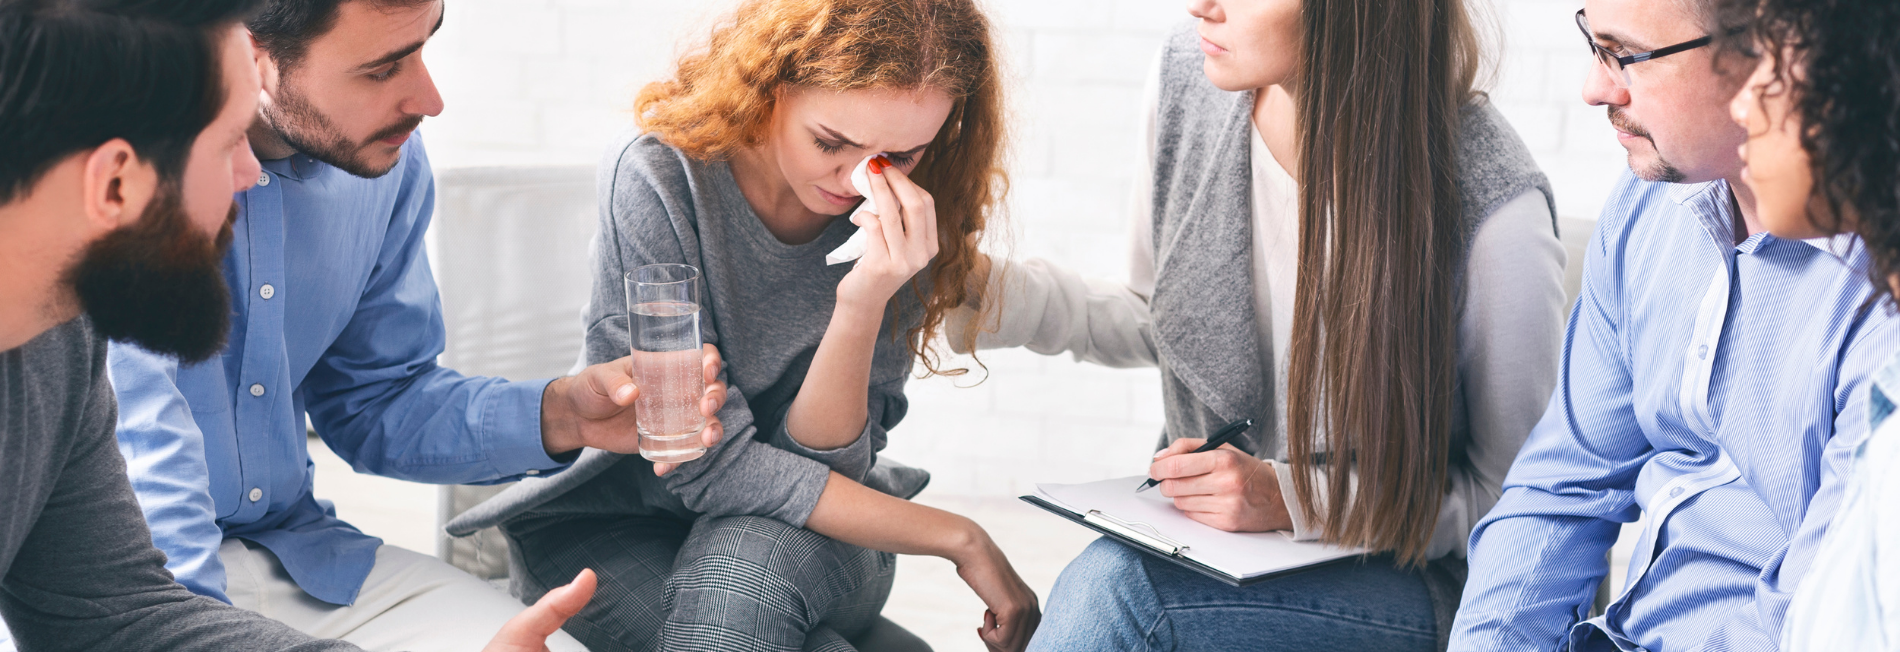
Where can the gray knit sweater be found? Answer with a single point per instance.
(766, 305)
(81, 571)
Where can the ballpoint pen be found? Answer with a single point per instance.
(1226, 434)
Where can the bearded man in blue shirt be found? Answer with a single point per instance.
(336, 316)
(1713, 383)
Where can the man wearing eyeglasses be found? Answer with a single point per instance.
(1708, 387)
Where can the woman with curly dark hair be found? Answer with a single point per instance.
(1823, 157)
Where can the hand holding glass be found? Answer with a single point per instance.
(663, 307)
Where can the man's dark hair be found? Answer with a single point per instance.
(1839, 62)
(285, 28)
(75, 74)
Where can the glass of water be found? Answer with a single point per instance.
(663, 307)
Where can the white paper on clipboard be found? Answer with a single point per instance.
(1241, 555)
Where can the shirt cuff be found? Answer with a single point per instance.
(510, 431)
(752, 478)
(1302, 529)
(852, 460)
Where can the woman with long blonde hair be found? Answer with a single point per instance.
(781, 536)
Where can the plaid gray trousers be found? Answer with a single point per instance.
(726, 584)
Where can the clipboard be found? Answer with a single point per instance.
(1149, 539)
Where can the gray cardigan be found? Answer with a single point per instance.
(1198, 324)
(80, 569)
(766, 305)
(1203, 312)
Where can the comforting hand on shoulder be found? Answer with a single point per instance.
(1225, 488)
(903, 240)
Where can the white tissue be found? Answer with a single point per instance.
(854, 248)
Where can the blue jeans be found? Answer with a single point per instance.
(1114, 598)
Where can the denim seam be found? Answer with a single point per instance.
(1311, 612)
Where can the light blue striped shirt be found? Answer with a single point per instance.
(1714, 389)
(1851, 600)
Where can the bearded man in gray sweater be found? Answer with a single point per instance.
(124, 129)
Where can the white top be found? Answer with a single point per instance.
(1851, 598)
(1510, 333)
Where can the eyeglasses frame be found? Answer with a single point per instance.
(1605, 56)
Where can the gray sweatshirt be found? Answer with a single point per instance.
(766, 305)
(81, 571)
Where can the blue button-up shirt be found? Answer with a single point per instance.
(1712, 388)
(335, 313)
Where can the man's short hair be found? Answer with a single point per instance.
(75, 74)
(285, 28)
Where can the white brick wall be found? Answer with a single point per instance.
(550, 81)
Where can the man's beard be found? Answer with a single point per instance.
(1662, 171)
(306, 129)
(158, 283)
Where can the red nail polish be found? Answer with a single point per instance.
(877, 165)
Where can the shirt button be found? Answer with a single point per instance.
(256, 494)
(1702, 352)
(1675, 492)
(257, 390)
(263, 179)
(267, 291)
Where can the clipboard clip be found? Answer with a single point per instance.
(1133, 530)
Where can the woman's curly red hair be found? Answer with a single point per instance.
(721, 97)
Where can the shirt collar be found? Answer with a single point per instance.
(1710, 202)
(298, 166)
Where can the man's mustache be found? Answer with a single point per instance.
(401, 128)
(1623, 123)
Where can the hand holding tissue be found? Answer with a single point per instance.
(854, 248)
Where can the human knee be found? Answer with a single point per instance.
(1103, 569)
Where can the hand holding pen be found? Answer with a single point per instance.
(1226, 434)
(1221, 486)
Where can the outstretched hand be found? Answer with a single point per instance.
(529, 630)
(595, 408)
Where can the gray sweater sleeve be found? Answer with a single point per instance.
(86, 576)
(886, 407)
(644, 222)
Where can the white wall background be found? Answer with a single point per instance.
(531, 82)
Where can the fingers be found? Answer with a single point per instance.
(531, 628)
(920, 216)
(714, 363)
(1207, 484)
(1223, 521)
(1179, 446)
(1010, 633)
(612, 381)
(715, 399)
(994, 637)
(663, 468)
(1208, 503)
(891, 216)
(1183, 465)
(715, 432)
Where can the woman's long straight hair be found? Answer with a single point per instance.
(1373, 349)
